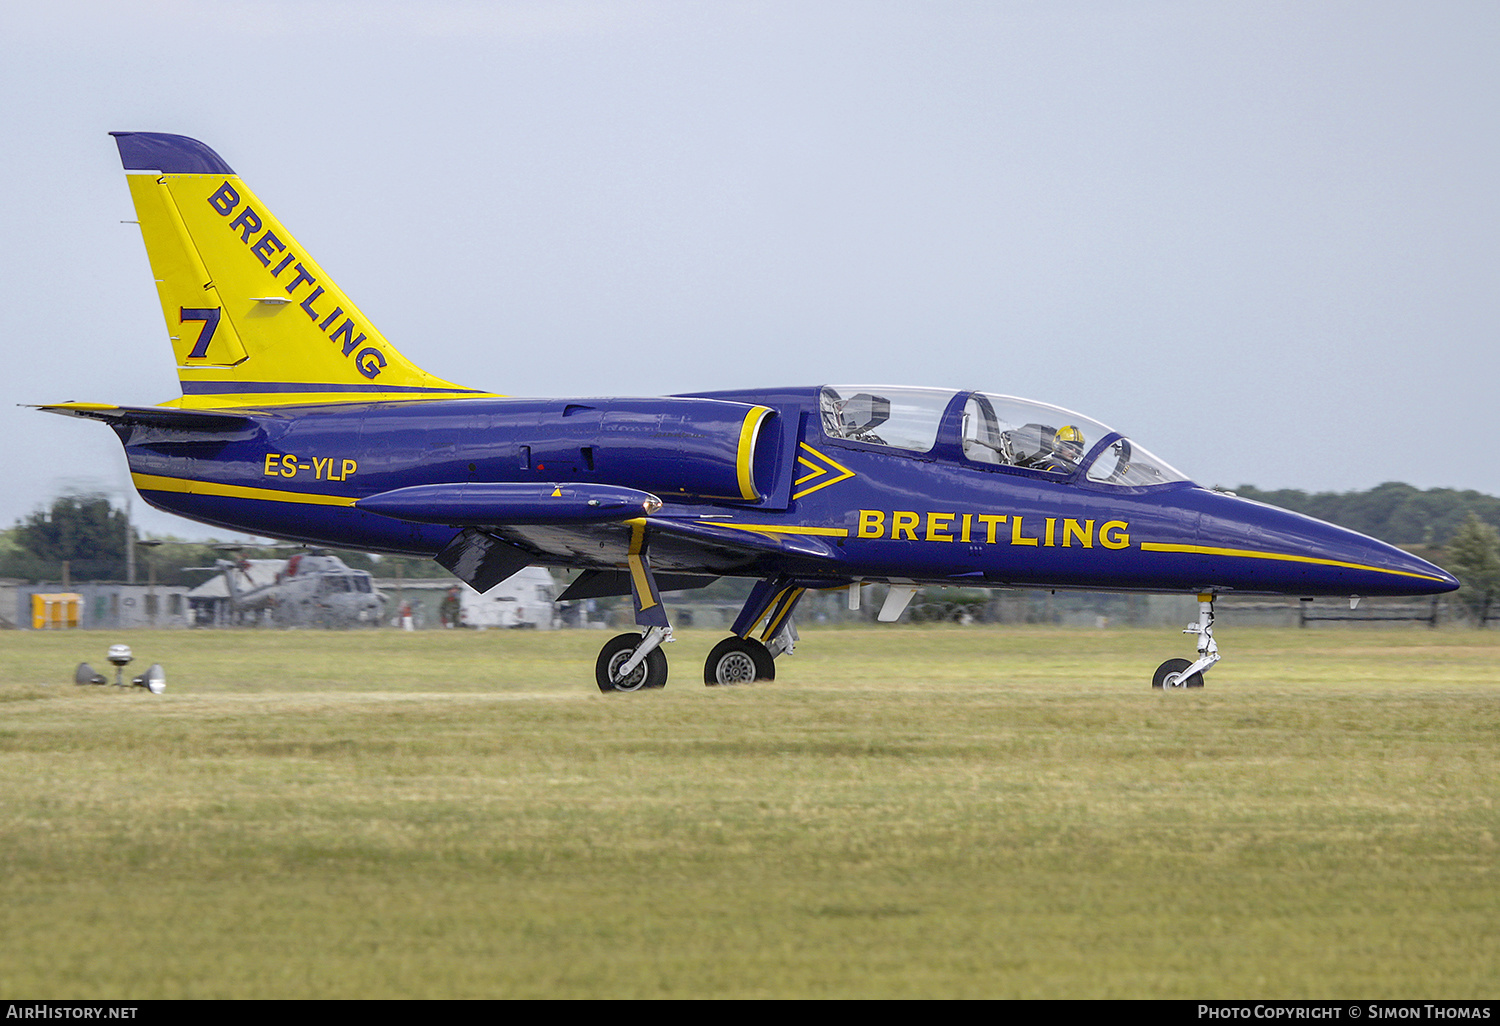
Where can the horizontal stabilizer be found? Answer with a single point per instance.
(153, 416)
(480, 504)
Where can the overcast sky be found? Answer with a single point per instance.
(1261, 238)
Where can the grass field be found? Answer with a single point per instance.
(908, 812)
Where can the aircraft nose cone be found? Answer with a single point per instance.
(1442, 581)
(1312, 557)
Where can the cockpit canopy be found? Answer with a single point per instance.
(998, 430)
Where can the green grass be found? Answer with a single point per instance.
(908, 812)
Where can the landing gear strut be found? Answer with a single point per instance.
(1179, 673)
(635, 662)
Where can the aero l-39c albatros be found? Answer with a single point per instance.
(298, 420)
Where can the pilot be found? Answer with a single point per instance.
(1067, 450)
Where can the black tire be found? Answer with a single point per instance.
(1169, 675)
(652, 673)
(738, 661)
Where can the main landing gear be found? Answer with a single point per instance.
(635, 662)
(1179, 673)
(741, 659)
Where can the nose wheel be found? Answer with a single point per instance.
(1179, 673)
(1170, 675)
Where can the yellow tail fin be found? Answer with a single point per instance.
(254, 320)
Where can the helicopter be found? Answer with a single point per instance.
(312, 588)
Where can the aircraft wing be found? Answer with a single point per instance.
(675, 546)
(506, 526)
(749, 539)
(678, 550)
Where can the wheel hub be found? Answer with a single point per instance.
(633, 682)
(735, 668)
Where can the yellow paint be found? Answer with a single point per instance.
(1083, 532)
(938, 527)
(828, 466)
(745, 460)
(637, 564)
(1206, 550)
(185, 486)
(780, 606)
(215, 250)
(827, 532)
(1112, 534)
(322, 467)
(1015, 533)
(991, 521)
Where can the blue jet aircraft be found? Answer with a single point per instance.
(298, 420)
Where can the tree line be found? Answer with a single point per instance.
(1458, 530)
(1393, 512)
(83, 538)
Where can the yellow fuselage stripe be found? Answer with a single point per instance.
(1207, 550)
(185, 486)
(830, 532)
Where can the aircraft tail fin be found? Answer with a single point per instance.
(254, 320)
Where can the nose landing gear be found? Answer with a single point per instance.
(633, 662)
(1179, 673)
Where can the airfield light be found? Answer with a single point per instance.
(153, 680)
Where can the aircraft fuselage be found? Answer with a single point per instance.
(826, 508)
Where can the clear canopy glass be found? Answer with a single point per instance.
(997, 429)
(904, 418)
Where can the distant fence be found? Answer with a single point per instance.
(1410, 612)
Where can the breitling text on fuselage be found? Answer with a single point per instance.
(991, 529)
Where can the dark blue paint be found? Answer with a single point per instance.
(210, 318)
(483, 503)
(683, 449)
(169, 154)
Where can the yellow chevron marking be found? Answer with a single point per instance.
(827, 467)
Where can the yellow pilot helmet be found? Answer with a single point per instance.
(1069, 433)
